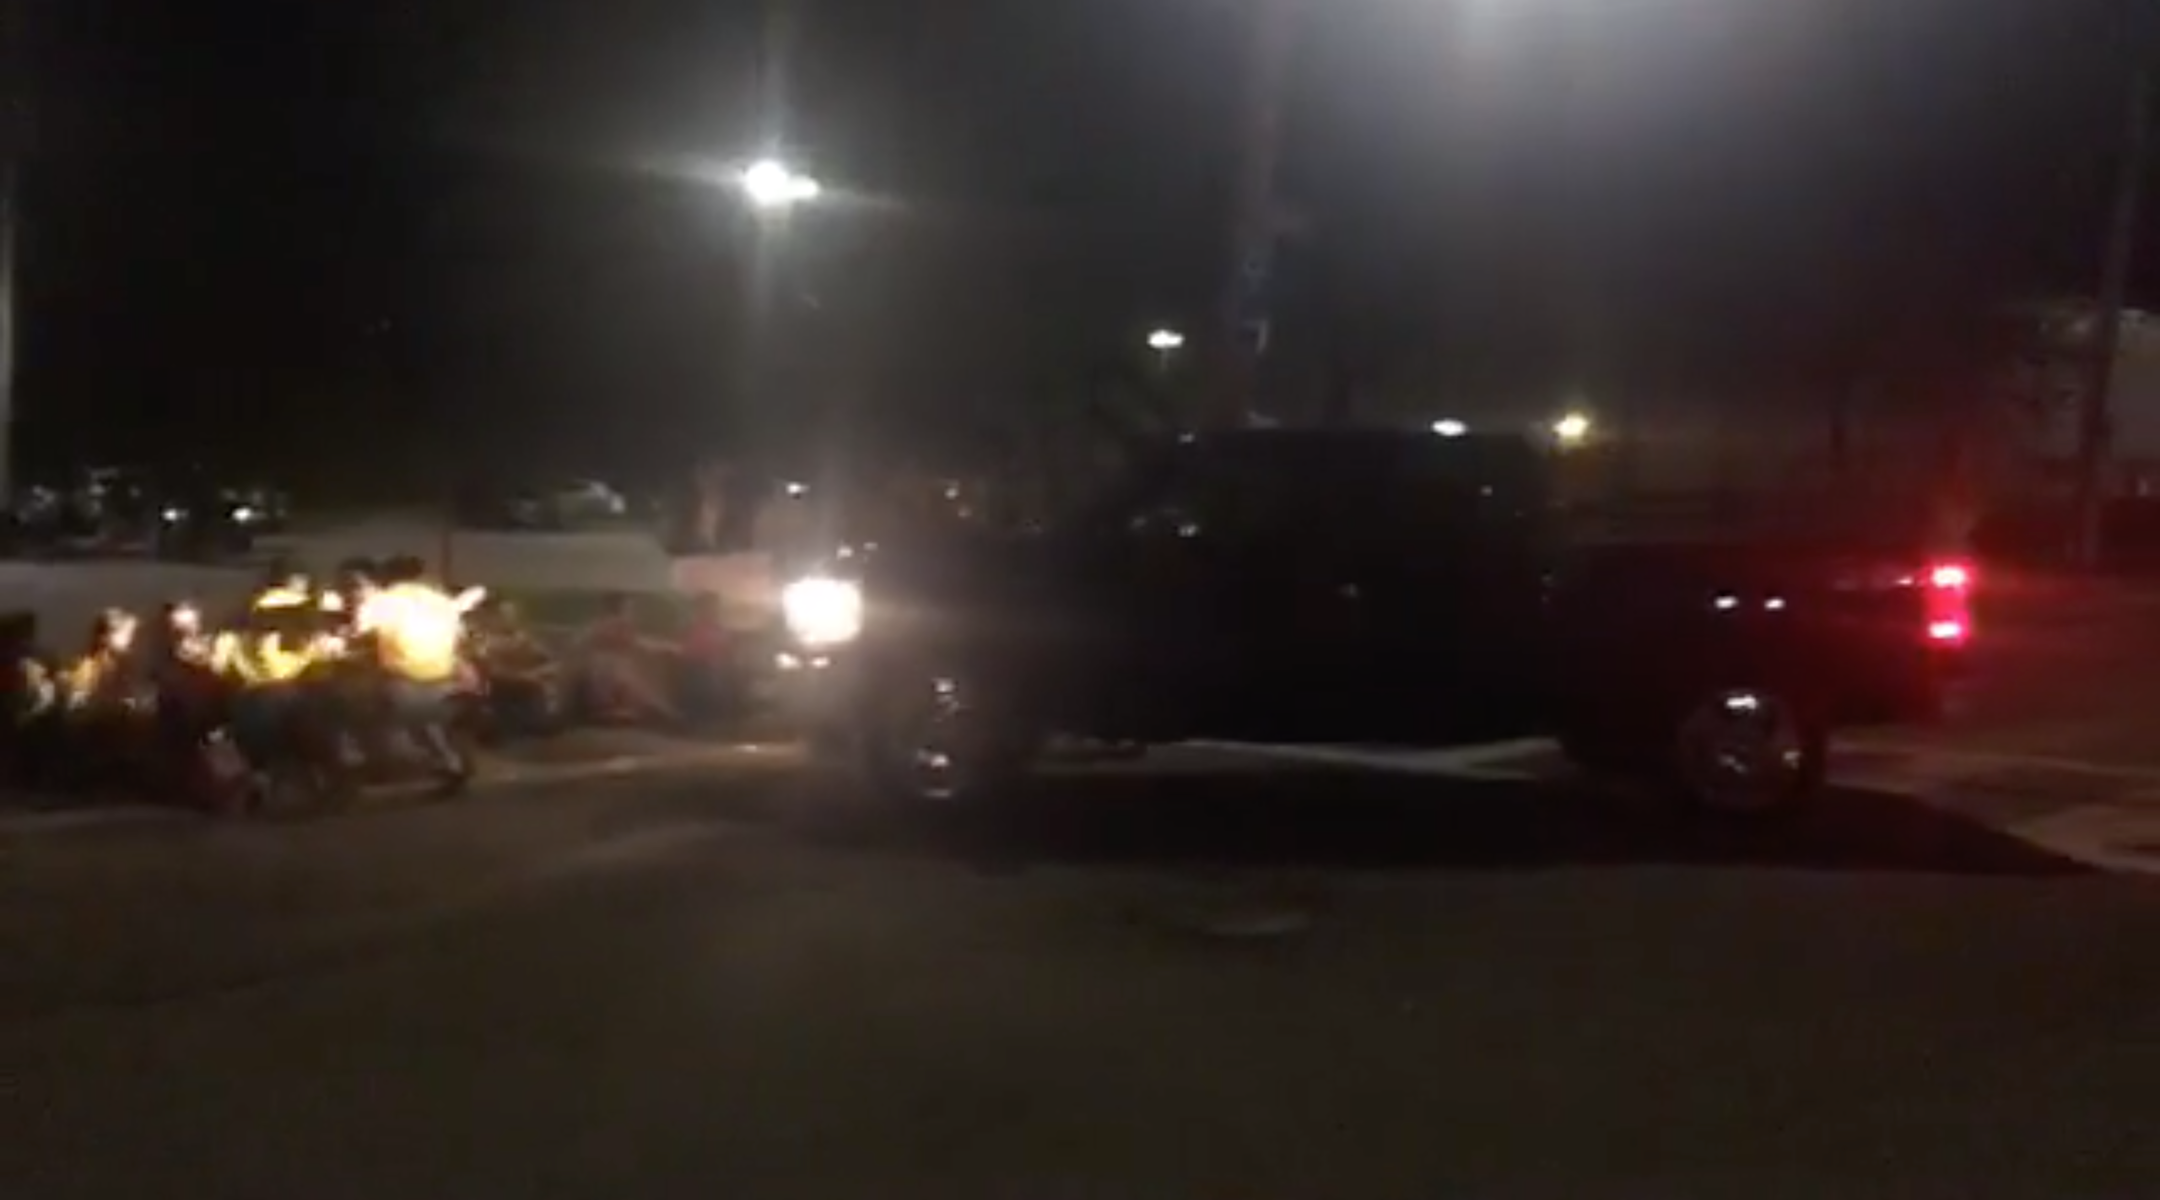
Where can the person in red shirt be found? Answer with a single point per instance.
(705, 661)
(616, 663)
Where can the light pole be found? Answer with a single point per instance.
(14, 148)
(773, 191)
(2094, 417)
(1242, 337)
(9, 203)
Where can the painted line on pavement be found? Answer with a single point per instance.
(1918, 762)
(2115, 829)
(2121, 836)
(1462, 762)
(1989, 760)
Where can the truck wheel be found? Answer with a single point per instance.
(1749, 752)
(931, 738)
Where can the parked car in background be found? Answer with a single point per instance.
(261, 508)
(578, 501)
(506, 507)
(175, 513)
(498, 505)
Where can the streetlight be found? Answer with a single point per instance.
(1165, 343)
(1449, 428)
(773, 186)
(1572, 429)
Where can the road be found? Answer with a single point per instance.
(1201, 976)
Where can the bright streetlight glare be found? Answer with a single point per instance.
(1165, 340)
(772, 184)
(1450, 428)
(1572, 428)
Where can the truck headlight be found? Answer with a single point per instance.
(821, 611)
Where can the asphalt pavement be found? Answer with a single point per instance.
(1201, 975)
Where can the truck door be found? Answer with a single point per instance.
(1205, 619)
(1443, 545)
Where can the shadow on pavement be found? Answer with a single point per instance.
(1354, 820)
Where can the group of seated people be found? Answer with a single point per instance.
(614, 671)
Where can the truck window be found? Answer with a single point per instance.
(1367, 486)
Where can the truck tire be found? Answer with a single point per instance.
(933, 736)
(1745, 752)
(1733, 752)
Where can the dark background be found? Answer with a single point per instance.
(346, 236)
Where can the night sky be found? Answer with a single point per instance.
(252, 223)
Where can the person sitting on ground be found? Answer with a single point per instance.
(413, 640)
(617, 667)
(30, 687)
(705, 663)
(524, 678)
(506, 645)
(29, 756)
(175, 655)
(102, 675)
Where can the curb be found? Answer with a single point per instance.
(102, 816)
(497, 777)
(749, 754)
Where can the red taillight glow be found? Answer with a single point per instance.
(1949, 603)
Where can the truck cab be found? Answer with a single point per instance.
(1368, 586)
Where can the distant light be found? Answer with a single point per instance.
(1450, 428)
(772, 184)
(1165, 340)
(798, 490)
(1572, 428)
(1950, 577)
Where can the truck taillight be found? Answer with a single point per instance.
(1949, 603)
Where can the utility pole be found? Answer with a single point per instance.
(2095, 421)
(1242, 335)
(10, 204)
(14, 148)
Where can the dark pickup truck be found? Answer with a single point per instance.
(1374, 587)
